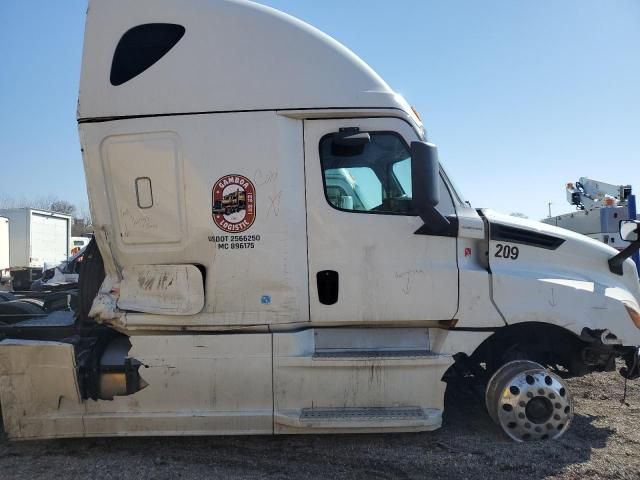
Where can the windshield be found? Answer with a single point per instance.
(455, 192)
(452, 187)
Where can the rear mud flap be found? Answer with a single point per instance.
(631, 370)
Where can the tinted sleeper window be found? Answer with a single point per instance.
(141, 47)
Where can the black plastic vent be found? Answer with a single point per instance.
(504, 233)
(141, 47)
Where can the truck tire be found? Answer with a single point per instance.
(15, 311)
(528, 402)
(89, 281)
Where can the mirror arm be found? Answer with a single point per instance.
(439, 225)
(436, 222)
(615, 263)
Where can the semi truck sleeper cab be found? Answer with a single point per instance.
(278, 250)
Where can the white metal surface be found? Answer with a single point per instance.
(361, 420)
(198, 385)
(49, 239)
(304, 382)
(235, 55)
(156, 157)
(571, 287)
(38, 237)
(264, 283)
(586, 222)
(162, 289)
(50, 366)
(386, 272)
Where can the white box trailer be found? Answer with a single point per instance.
(37, 238)
(278, 250)
(4, 247)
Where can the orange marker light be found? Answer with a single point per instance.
(634, 314)
(416, 113)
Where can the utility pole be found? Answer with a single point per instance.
(550, 209)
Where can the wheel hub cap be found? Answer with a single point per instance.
(528, 402)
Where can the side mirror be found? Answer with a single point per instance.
(629, 230)
(425, 175)
(347, 202)
(425, 186)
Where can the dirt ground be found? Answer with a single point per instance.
(603, 442)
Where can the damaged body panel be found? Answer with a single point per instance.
(162, 289)
(168, 385)
(278, 256)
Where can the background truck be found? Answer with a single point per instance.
(600, 207)
(36, 238)
(78, 243)
(4, 248)
(361, 287)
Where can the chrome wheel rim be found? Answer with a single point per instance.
(528, 402)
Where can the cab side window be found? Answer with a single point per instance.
(141, 47)
(372, 176)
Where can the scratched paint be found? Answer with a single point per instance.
(408, 279)
(166, 289)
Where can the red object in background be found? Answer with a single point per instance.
(467, 252)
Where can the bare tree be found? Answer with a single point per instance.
(7, 202)
(48, 202)
(82, 224)
(62, 206)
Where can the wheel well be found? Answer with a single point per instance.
(552, 346)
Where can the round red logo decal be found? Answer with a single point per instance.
(234, 203)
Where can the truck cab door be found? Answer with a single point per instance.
(367, 264)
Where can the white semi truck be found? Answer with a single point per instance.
(38, 238)
(304, 311)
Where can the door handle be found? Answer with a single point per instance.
(328, 282)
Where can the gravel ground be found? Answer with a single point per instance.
(602, 443)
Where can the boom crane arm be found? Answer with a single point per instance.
(587, 194)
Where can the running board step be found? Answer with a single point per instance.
(358, 419)
(373, 354)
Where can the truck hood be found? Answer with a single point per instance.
(578, 257)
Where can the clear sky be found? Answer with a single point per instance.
(520, 96)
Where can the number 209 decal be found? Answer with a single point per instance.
(507, 251)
